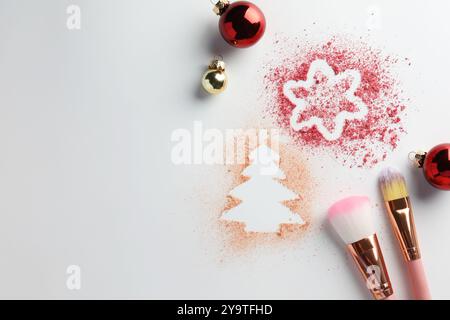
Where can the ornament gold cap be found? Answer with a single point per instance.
(217, 64)
(418, 157)
(221, 6)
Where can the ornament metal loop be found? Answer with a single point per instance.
(218, 57)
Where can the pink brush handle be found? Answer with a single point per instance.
(418, 280)
(391, 297)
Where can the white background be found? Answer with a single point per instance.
(86, 178)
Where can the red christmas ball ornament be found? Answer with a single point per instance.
(436, 165)
(241, 23)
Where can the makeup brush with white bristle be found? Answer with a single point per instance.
(398, 205)
(352, 220)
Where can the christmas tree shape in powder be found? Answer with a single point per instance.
(261, 208)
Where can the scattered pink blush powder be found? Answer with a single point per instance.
(363, 143)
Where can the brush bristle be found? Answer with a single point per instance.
(392, 184)
(352, 218)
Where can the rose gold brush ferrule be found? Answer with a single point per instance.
(402, 220)
(369, 259)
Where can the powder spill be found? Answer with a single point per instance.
(298, 179)
(364, 142)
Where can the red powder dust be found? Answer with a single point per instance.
(364, 142)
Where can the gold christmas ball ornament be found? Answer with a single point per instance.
(215, 80)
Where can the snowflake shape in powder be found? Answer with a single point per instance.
(329, 98)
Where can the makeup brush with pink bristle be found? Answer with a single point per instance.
(352, 220)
